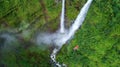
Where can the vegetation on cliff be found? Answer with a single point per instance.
(98, 38)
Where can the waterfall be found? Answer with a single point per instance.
(79, 20)
(62, 28)
(59, 38)
(75, 26)
(56, 39)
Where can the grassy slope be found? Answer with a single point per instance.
(98, 38)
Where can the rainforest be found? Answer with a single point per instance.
(95, 44)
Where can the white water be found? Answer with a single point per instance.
(79, 20)
(75, 26)
(62, 27)
(59, 38)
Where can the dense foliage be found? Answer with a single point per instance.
(98, 38)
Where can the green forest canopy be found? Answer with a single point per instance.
(98, 38)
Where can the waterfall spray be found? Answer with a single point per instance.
(58, 39)
(67, 35)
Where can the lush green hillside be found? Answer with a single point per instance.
(98, 38)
